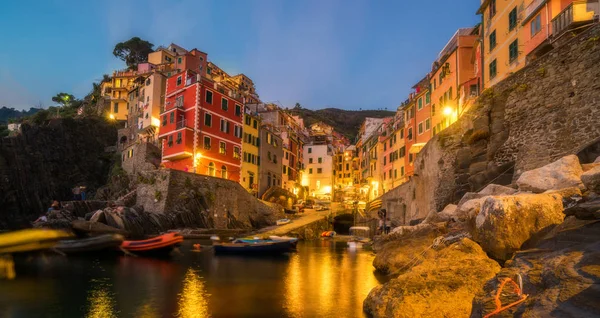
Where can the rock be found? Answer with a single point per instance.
(589, 210)
(597, 160)
(95, 228)
(563, 173)
(447, 214)
(506, 222)
(470, 209)
(496, 189)
(469, 196)
(591, 179)
(405, 246)
(560, 274)
(589, 166)
(442, 285)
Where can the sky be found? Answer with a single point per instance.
(322, 53)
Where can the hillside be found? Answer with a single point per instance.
(10, 113)
(346, 122)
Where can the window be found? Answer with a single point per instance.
(236, 152)
(512, 19)
(224, 126)
(207, 119)
(347, 166)
(492, 8)
(274, 158)
(427, 124)
(211, 169)
(410, 157)
(309, 150)
(310, 171)
(224, 104)
(310, 160)
(178, 138)
(493, 69)
(179, 60)
(420, 104)
(409, 135)
(206, 142)
(402, 171)
(116, 108)
(172, 117)
(238, 110)
(287, 155)
(536, 25)
(434, 83)
(320, 160)
(384, 160)
(450, 93)
(427, 98)
(255, 124)
(390, 174)
(319, 170)
(513, 50)
(224, 172)
(178, 80)
(391, 140)
(401, 133)
(164, 121)
(385, 145)
(178, 101)
(209, 96)
(170, 141)
(420, 128)
(432, 111)
(237, 131)
(248, 120)
(222, 147)
(492, 40)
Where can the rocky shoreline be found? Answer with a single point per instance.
(543, 233)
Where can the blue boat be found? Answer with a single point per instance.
(256, 246)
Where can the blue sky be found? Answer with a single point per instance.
(323, 53)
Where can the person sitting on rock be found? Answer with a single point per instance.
(55, 206)
(76, 193)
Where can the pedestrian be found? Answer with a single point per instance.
(82, 190)
(388, 225)
(76, 193)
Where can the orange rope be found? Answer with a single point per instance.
(498, 303)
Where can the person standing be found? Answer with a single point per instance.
(82, 190)
(76, 193)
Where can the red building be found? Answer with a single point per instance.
(201, 125)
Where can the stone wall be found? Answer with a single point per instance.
(546, 110)
(220, 203)
(146, 156)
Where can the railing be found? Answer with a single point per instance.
(180, 124)
(578, 11)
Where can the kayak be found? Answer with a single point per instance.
(30, 240)
(91, 244)
(162, 244)
(328, 234)
(255, 247)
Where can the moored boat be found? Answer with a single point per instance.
(160, 245)
(256, 246)
(92, 244)
(30, 240)
(283, 221)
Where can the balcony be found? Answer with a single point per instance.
(576, 14)
(180, 124)
(532, 9)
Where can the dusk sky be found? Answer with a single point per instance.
(325, 53)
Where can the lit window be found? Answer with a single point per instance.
(222, 147)
(206, 142)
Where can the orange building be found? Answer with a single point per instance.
(455, 66)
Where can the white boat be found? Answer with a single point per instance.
(283, 221)
(360, 235)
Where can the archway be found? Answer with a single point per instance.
(211, 169)
(224, 172)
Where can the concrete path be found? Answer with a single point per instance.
(309, 216)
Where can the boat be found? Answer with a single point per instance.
(256, 246)
(328, 234)
(159, 245)
(360, 236)
(283, 221)
(30, 240)
(99, 243)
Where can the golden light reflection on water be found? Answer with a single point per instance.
(101, 302)
(322, 283)
(193, 300)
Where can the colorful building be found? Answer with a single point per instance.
(201, 126)
(503, 39)
(250, 148)
(319, 169)
(270, 159)
(117, 92)
(453, 67)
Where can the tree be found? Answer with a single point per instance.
(63, 99)
(133, 51)
(297, 106)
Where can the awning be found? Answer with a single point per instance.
(416, 148)
(374, 205)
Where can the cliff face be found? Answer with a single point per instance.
(548, 109)
(44, 163)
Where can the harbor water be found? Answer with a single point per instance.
(322, 279)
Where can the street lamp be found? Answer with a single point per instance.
(447, 110)
(197, 158)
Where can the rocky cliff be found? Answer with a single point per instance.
(45, 162)
(548, 109)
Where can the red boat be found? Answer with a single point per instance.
(161, 245)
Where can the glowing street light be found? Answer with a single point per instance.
(447, 110)
(111, 116)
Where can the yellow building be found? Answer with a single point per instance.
(250, 147)
(503, 39)
(116, 92)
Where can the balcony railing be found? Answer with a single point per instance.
(532, 8)
(180, 124)
(577, 12)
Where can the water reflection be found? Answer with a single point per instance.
(193, 300)
(101, 303)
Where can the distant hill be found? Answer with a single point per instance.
(11, 113)
(346, 122)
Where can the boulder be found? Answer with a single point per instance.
(589, 210)
(442, 285)
(506, 222)
(589, 166)
(470, 209)
(469, 196)
(447, 214)
(597, 160)
(591, 179)
(563, 173)
(570, 196)
(560, 274)
(496, 189)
